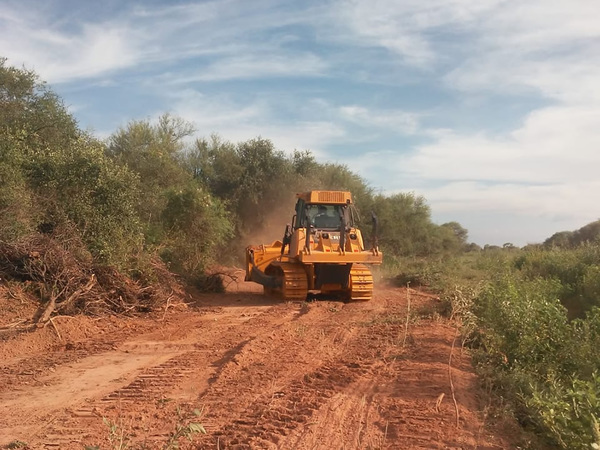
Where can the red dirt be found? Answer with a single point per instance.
(263, 374)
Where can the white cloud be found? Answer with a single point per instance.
(541, 24)
(544, 46)
(393, 120)
(213, 112)
(315, 124)
(543, 175)
(544, 49)
(408, 28)
(548, 46)
(569, 78)
(257, 65)
(234, 33)
(515, 213)
(58, 56)
(239, 122)
(554, 145)
(519, 187)
(525, 200)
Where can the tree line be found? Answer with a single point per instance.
(153, 191)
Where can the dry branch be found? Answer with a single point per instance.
(450, 376)
(55, 329)
(61, 273)
(438, 402)
(407, 314)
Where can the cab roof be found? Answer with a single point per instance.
(328, 197)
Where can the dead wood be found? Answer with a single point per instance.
(51, 306)
(47, 312)
(60, 272)
(452, 382)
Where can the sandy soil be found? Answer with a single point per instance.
(261, 374)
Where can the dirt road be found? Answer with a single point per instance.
(260, 374)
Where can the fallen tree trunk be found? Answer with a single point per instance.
(52, 305)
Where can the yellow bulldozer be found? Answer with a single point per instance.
(322, 252)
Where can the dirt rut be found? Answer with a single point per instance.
(259, 374)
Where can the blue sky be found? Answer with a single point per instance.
(490, 109)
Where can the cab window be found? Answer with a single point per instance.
(324, 216)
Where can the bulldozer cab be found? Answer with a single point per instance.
(320, 216)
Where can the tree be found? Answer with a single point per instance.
(252, 178)
(31, 113)
(54, 174)
(152, 151)
(588, 233)
(304, 163)
(454, 237)
(196, 225)
(81, 185)
(562, 239)
(405, 224)
(182, 220)
(472, 247)
(17, 210)
(33, 122)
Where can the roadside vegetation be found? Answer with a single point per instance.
(117, 225)
(532, 319)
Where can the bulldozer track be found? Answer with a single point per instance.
(295, 283)
(361, 283)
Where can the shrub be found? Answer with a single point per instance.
(544, 364)
(197, 226)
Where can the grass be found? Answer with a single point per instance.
(187, 425)
(184, 428)
(117, 435)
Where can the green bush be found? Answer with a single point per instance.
(524, 320)
(197, 226)
(578, 271)
(527, 348)
(590, 285)
(80, 185)
(18, 212)
(52, 174)
(539, 360)
(566, 409)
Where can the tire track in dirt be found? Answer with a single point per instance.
(137, 371)
(344, 418)
(372, 393)
(318, 340)
(265, 375)
(267, 420)
(404, 399)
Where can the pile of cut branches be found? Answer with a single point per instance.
(60, 271)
